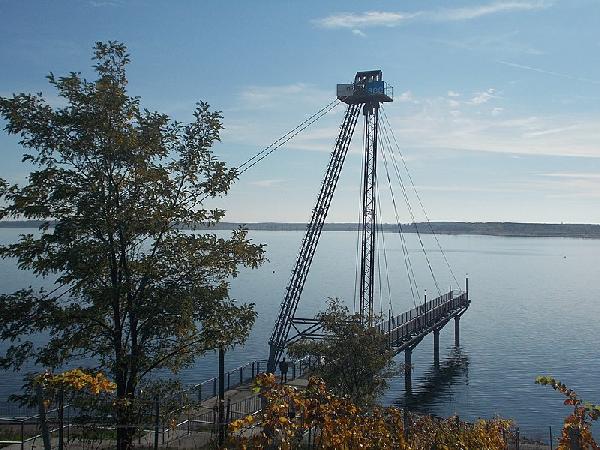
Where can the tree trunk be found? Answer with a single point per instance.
(127, 419)
(125, 430)
(42, 417)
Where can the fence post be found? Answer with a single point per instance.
(425, 305)
(241, 375)
(221, 399)
(228, 415)
(456, 331)
(61, 417)
(200, 393)
(156, 421)
(214, 387)
(406, 424)
(389, 330)
(517, 439)
(42, 419)
(253, 370)
(550, 429)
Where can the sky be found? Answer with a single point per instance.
(496, 103)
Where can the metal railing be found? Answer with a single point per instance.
(245, 374)
(403, 326)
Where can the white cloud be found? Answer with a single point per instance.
(261, 97)
(104, 3)
(507, 43)
(266, 183)
(570, 185)
(405, 97)
(262, 116)
(394, 18)
(485, 10)
(364, 20)
(265, 94)
(551, 131)
(483, 97)
(453, 94)
(549, 72)
(572, 175)
(357, 32)
(431, 123)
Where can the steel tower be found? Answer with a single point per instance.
(366, 93)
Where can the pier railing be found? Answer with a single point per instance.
(403, 327)
(245, 374)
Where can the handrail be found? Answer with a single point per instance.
(404, 326)
(420, 310)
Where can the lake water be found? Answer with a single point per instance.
(535, 310)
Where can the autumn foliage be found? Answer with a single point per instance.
(576, 432)
(78, 380)
(292, 416)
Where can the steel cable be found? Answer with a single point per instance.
(286, 137)
(407, 262)
(385, 260)
(386, 120)
(410, 210)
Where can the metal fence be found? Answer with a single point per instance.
(245, 374)
(401, 327)
(195, 426)
(188, 416)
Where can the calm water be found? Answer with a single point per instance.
(535, 310)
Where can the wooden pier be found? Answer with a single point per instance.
(405, 331)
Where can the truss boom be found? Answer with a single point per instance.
(289, 305)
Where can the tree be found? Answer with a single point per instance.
(115, 186)
(354, 358)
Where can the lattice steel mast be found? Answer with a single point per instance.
(367, 92)
(369, 214)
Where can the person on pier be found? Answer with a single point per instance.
(283, 368)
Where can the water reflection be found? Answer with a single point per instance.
(435, 385)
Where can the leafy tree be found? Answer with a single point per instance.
(354, 358)
(116, 185)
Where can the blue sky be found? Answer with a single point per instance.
(496, 102)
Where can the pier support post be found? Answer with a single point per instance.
(436, 348)
(456, 331)
(221, 398)
(408, 369)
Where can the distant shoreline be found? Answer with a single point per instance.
(508, 229)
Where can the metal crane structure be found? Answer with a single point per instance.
(366, 94)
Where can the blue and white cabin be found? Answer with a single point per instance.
(368, 87)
